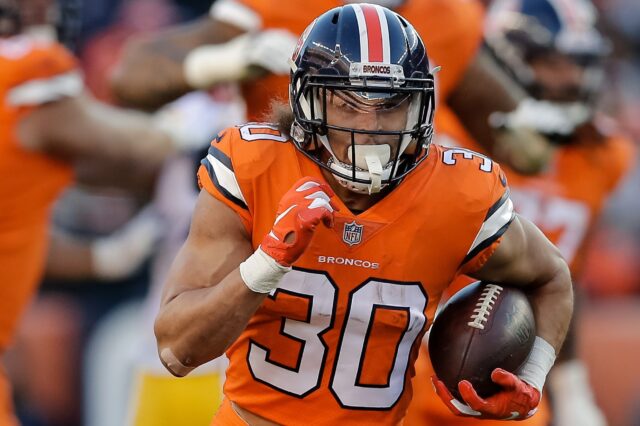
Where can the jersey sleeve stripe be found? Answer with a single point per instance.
(41, 91)
(498, 204)
(224, 180)
(221, 157)
(495, 224)
(486, 243)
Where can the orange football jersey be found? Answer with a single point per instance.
(336, 342)
(565, 200)
(33, 73)
(450, 29)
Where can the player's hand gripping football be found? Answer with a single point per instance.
(301, 210)
(516, 401)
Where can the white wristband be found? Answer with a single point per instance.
(261, 273)
(537, 366)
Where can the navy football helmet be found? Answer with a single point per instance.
(519, 31)
(371, 60)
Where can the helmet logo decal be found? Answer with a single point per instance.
(367, 69)
(352, 233)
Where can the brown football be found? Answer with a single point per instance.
(482, 327)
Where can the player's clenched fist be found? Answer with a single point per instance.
(301, 209)
(516, 401)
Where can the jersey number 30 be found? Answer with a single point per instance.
(365, 303)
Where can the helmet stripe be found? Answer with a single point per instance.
(362, 29)
(374, 32)
(386, 41)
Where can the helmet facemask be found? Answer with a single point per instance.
(366, 160)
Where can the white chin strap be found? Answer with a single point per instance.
(372, 164)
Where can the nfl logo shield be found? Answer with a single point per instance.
(352, 234)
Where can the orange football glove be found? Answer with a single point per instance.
(300, 211)
(516, 401)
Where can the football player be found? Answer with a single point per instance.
(320, 245)
(48, 130)
(553, 49)
(249, 40)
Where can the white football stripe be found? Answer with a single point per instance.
(493, 224)
(226, 178)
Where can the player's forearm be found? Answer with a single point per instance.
(151, 72)
(483, 89)
(199, 325)
(552, 304)
(147, 78)
(126, 137)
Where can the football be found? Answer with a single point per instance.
(482, 327)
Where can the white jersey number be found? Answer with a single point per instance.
(368, 299)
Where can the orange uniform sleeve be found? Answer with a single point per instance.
(35, 73)
(217, 175)
(499, 215)
(452, 31)
(621, 159)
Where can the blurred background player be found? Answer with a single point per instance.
(553, 50)
(242, 39)
(50, 131)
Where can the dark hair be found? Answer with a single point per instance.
(281, 115)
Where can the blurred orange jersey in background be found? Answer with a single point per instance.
(33, 74)
(450, 29)
(336, 341)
